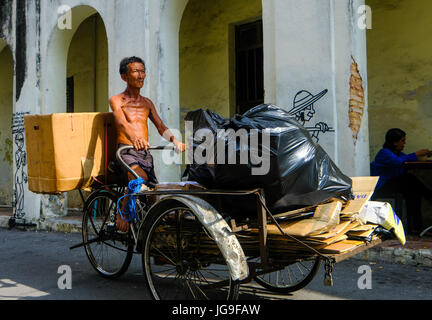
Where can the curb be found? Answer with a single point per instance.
(50, 225)
(412, 257)
(405, 256)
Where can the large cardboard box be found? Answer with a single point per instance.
(64, 150)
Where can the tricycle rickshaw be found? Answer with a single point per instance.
(190, 250)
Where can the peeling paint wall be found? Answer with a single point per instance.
(6, 20)
(400, 72)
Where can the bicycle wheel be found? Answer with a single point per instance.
(181, 261)
(109, 251)
(291, 278)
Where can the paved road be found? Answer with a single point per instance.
(29, 263)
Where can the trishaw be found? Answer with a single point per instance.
(191, 250)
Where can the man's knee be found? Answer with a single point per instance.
(139, 171)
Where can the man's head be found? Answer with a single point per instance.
(132, 70)
(19, 140)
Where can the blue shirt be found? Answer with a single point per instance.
(388, 165)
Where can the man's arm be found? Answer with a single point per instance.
(162, 129)
(137, 138)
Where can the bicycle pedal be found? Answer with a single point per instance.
(111, 226)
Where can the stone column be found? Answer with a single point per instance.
(26, 90)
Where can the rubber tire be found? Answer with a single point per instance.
(150, 221)
(287, 290)
(90, 256)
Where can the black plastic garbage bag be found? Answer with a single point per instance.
(281, 158)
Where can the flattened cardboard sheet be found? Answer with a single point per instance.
(325, 217)
(363, 188)
(342, 246)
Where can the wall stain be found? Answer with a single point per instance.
(386, 5)
(423, 95)
(5, 18)
(8, 151)
(21, 46)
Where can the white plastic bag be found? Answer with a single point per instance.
(383, 214)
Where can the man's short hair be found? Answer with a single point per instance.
(124, 64)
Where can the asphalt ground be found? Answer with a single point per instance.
(30, 262)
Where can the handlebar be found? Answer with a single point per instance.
(119, 158)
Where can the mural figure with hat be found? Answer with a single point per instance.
(20, 175)
(303, 110)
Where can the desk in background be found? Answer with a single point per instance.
(420, 164)
(425, 164)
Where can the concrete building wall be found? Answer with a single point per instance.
(206, 43)
(400, 69)
(310, 45)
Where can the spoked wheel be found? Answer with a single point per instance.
(291, 278)
(181, 261)
(109, 251)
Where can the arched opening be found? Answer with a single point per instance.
(6, 140)
(87, 68)
(221, 56)
(76, 75)
(65, 59)
(87, 76)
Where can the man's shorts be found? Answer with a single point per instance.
(141, 158)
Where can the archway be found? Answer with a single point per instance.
(87, 68)
(76, 77)
(54, 91)
(212, 63)
(6, 143)
(177, 23)
(87, 76)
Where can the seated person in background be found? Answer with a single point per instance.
(393, 178)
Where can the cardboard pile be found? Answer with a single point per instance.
(332, 227)
(64, 150)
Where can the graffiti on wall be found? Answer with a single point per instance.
(20, 176)
(303, 110)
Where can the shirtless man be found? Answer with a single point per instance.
(131, 111)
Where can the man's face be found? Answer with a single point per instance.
(135, 75)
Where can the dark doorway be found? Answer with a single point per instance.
(249, 66)
(70, 95)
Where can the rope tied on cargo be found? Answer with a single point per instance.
(129, 210)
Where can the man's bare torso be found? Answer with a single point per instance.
(136, 113)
